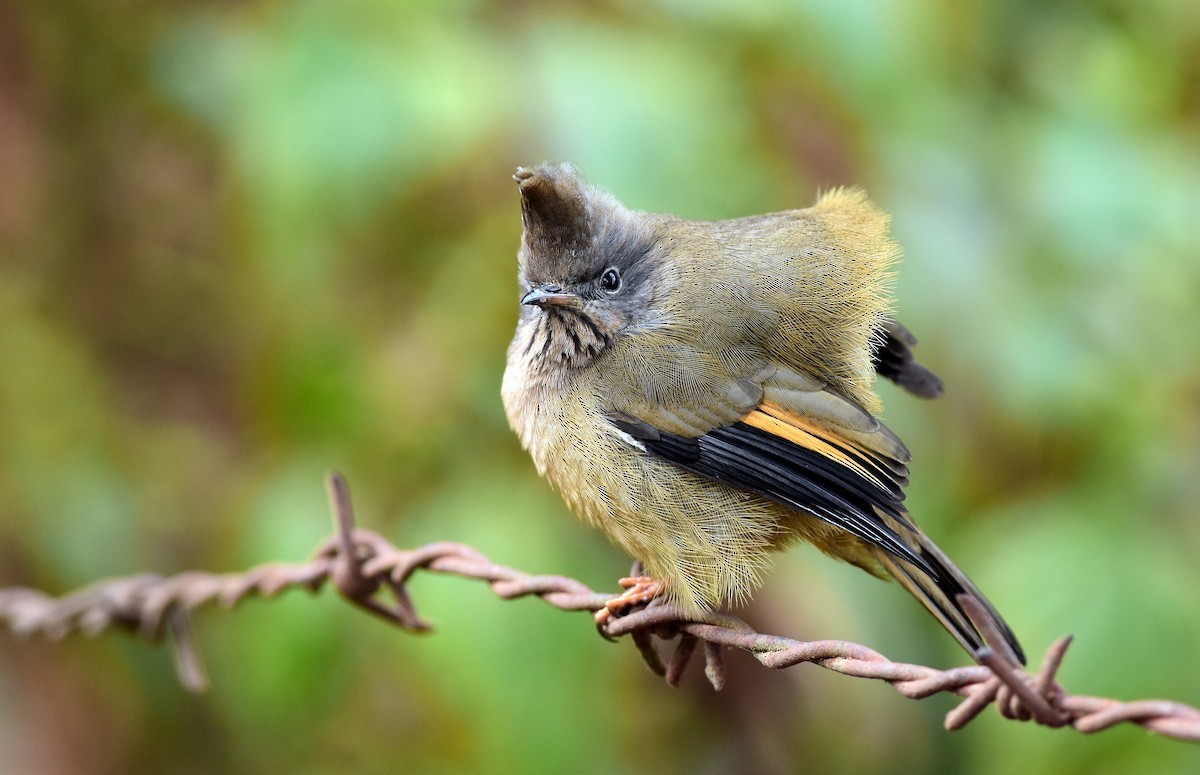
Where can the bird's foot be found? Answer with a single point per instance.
(638, 591)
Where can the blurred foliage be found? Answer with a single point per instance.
(243, 243)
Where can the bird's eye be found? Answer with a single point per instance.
(610, 281)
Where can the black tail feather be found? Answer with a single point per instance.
(893, 359)
(939, 594)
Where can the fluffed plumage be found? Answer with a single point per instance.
(702, 391)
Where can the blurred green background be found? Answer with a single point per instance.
(245, 243)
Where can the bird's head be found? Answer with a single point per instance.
(590, 269)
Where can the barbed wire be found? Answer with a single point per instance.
(370, 572)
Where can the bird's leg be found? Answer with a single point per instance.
(638, 590)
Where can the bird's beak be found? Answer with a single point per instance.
(549, 296)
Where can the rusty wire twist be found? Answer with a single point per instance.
(363, 566)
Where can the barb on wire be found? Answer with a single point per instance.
(371, 573)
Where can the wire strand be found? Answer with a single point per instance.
(371, 573)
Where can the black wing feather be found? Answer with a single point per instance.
(749, 458)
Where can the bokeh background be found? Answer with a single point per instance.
(242, 243)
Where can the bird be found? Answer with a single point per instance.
(703, 393)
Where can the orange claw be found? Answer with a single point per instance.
(638, 590)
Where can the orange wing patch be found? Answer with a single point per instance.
(777, 421)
